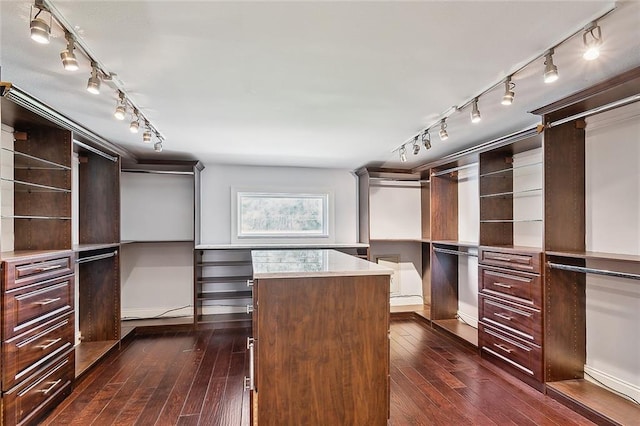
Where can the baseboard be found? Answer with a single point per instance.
(613, 382)
(144, 313)
(400, 300)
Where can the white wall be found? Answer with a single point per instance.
(394, 211)
(468, 230)
(218, 180)
(613, 225)
(408, 276)
(527, 176)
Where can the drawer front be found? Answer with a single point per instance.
(23, 272)
(33, 398)
(520, 287)
(522, 321)
(528, 262)
(31, 306)
(526, 358)
(28, 352)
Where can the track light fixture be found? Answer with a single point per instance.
(550, 70)
(157, 147)
(69, 60)
(121, 107)
(416, 146)
(475, 112)
(592, 39)
(93, 85)
(509, 94)
(443, 130)
(426, 139)
(146, 136)
(135, 122)
(40, 28)
(403, 154)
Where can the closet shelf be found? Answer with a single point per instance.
(510, 220)
(455, 243)
(509, 194)
(225, 295)
(225, 263)
(24, 161)
(225, 318)
(221, 280)
(37, 217)
(510, 169)
(21, 186)
(594, 255)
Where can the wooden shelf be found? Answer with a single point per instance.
(88, 353)
(224, 318)
(594, 402)
(220, 280)
(460, 329)
(593, 255)
(455, 243)
(225, 263)
(88, 247)
(225, 295)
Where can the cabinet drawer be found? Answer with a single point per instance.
(30, 306)
(522, 321)
(523, 261)
(526, 358)
(23, 272)
(34, 397)
(26, 353)
(520, 287)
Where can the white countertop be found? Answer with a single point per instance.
(255, 246)
(311, 263)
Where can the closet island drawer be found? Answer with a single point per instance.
(526, 358)
(20, 272)
(27, 402)
(523, 321)
(28, 352)
(518, 286)
(31, 306)
(508, 258)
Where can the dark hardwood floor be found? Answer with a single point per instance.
(195, 378)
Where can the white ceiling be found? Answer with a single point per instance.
(313, 83)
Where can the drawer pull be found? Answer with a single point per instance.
(47, 268)
(503, 285)
(46, 301)
(503, 347)
(503, 316)
(503, 258)
(50, 388)
(51, 343)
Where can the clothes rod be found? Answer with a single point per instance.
(157, 172)
(454, 252)
(594, 111)
(96, 151)
(454, 169)
(586, 270)
(97, 257)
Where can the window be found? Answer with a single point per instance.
(289, 215)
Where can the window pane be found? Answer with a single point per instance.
(282, 214)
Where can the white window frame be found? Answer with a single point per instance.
(326, 234)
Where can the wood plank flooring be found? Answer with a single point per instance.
(195, 378)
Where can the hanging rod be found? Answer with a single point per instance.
(454, 169)
(96, 151)
(97, 257)
(157, 172)
(455, 252)
(603, 108)
(593, 271)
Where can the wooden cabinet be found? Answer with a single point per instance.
(320, 346)
(37, 367)
(510, 311)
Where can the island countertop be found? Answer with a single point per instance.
(311, 263)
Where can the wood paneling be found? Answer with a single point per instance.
(444, 285)
(444, 208)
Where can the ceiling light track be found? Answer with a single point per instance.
(592, 39)
(43, 15)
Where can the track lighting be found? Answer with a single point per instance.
(550, 70)
(121, 108)
(93, 85)
(69, 60)
(443, 130)
(475, 112)
(40, 28)
(157, 147)
(416, 146)
(507, 99)
(403, 154)
(592, 38)
(146, 136)
(426, 140)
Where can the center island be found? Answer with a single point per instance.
(320, 347)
